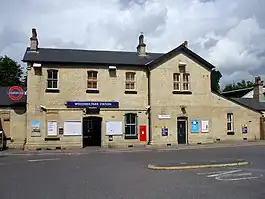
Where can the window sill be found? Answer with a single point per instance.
(52, 139)
(130, 92)
(48, 90)
(182, 92)
(230, 133)
(92, 91)
(131, 137)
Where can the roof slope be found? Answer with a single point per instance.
(6, 101)
(56, 55)
(76, 56)
(237, 93)
(251, 103)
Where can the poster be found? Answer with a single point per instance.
(244, 129)
(35, 128)
(52, 128)
(194, 126)
(205, 126)
(164, 131)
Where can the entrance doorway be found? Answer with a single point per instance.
(182, 130)
(92, 131)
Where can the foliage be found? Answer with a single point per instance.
(215, 80)
(239, 85)
(10, 72)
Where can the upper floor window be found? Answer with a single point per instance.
(230, 122)
(131, 126)
(130, 81)
(186, 81)
(52, 80)
(176, 82)
(92, 79)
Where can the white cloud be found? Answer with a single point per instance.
(229, 34)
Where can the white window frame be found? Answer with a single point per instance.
(177, 82)
(131, 136)
(185, 82)
(91, 80)
(230, 120)
(130, 81)
(51, 79)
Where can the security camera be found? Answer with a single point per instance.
(148, 107)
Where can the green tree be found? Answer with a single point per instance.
(215, 80)
(10, 72)
(239, 85)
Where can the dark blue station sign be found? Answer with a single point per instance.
(88, 104)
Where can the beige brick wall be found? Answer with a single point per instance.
(73, 85)
(202, 104)
(17, 126)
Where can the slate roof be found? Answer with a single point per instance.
(76, 56)
(251, 103)
(237, 93)
(6, 101)
(56, 55)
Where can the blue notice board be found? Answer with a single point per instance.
(195, 126)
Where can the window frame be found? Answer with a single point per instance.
(51, 79)
(130, 135)
(130, 81)
(177, 82)
(230, 120)
(91, 80)
(185, 82)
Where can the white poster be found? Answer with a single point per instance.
(52, 128)
(113, 127)
(205, 126)
(72, 127)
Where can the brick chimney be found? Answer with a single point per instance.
(141, 48)
(258, 89)
(34, 43)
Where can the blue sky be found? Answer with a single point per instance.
(229, 34)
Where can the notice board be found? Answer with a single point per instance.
(113, 127)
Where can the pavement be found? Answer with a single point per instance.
(122, 175)
(89, 150)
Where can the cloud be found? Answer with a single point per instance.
(229, 34)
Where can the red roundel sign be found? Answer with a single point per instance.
(16, 93)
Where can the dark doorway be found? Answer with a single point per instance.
(92, 131)
(182, 131)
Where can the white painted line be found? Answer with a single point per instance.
(236, 179)
(41, 160)
(222, 173)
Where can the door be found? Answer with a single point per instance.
(92, 131)
(182, 131)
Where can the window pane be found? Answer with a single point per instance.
(176, 77)
(54, 82)
(128, 119)
(49, 74)
(133, 130)
(185, 86)
(186, 77)
(94, 84)
(176, 86)
(55, 74)
(127, 130)
(89, 84)
(133, 119)
(229, 126)
(49, 84)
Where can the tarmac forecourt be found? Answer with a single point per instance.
(198, 165)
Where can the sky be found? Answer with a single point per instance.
(228, 34)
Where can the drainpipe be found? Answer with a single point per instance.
(149, 104)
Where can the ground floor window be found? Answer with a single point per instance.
(230, 122)
(131, 126)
